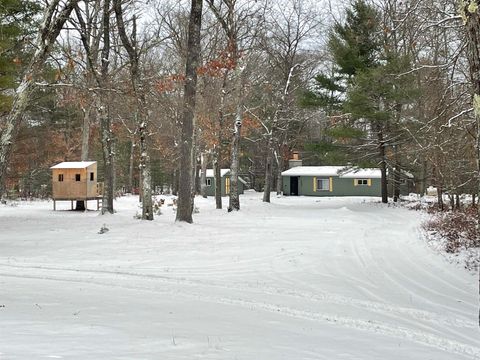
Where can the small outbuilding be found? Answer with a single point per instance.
(225, 175)
(75, 181)
(331, 181)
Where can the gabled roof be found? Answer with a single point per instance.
(223, 172)
(73, 165)
(340, 171)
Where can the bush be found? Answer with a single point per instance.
(457, 228)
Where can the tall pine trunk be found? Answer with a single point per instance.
(383, 164)
(184, 204)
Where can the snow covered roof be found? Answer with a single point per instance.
(340, 171)
(73, 165)
(223, 172)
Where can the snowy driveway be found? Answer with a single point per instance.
(301, 278)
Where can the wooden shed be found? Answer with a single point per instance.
(75, 181)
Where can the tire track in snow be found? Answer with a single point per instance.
(377, 327)
(380, 327)
(320, 296)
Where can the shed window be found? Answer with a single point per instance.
(361, 182)
(323, 185)
(60, 177)
(209, 182)
(92, 176)
(77, 177)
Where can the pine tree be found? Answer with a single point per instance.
(16, 20)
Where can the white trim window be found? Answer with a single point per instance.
(323, 184)
(361, 182)
(208, 182)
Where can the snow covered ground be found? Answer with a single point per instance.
(301, 278)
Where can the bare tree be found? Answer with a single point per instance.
(185, 191)
(54, 17)
(133, 49)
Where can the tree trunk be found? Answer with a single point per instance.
(145, 168)
(52, 24)
(268, 172)
(203, 176)
(280, 164)
(80, 206)
(108, 160)
(234, 200)
(131, 166)
(218, 181)
(396, 175)
(383, 164)
(469, 11)
(440, 198)
(184, 204)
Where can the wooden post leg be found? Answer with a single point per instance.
(54, 205)
(71, 203)
(86, 204)
(98, 204)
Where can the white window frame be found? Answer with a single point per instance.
(361, 182)
(208, 182)
(321, 181)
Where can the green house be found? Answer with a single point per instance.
(331, 181)
(225, 174)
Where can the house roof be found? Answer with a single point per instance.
(340, 171)
(73, 165)
(223, 172)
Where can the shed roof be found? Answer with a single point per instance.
(73, 165)
(223, 172)
(340, 171)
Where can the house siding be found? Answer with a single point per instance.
(210, 190)
(340, 187)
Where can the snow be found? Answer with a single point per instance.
(301, 278)
(211, 174)
(73, 165)
(223, 172)
(341, 171)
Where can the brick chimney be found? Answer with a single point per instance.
(295, 160)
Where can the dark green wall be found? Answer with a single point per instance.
(341, 187)
(211, 189)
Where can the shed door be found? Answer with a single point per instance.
(294, 186)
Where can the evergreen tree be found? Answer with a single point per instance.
(16, 20)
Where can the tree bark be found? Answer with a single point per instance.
(184, 204)
(131, 166)
(203, 176)
(280, 165)
(470, 13)
(268, 171)
(383, 164)
(52, 23)
(234, 200)
(218, 180)
(142, 116)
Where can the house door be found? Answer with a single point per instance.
(294, 186)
